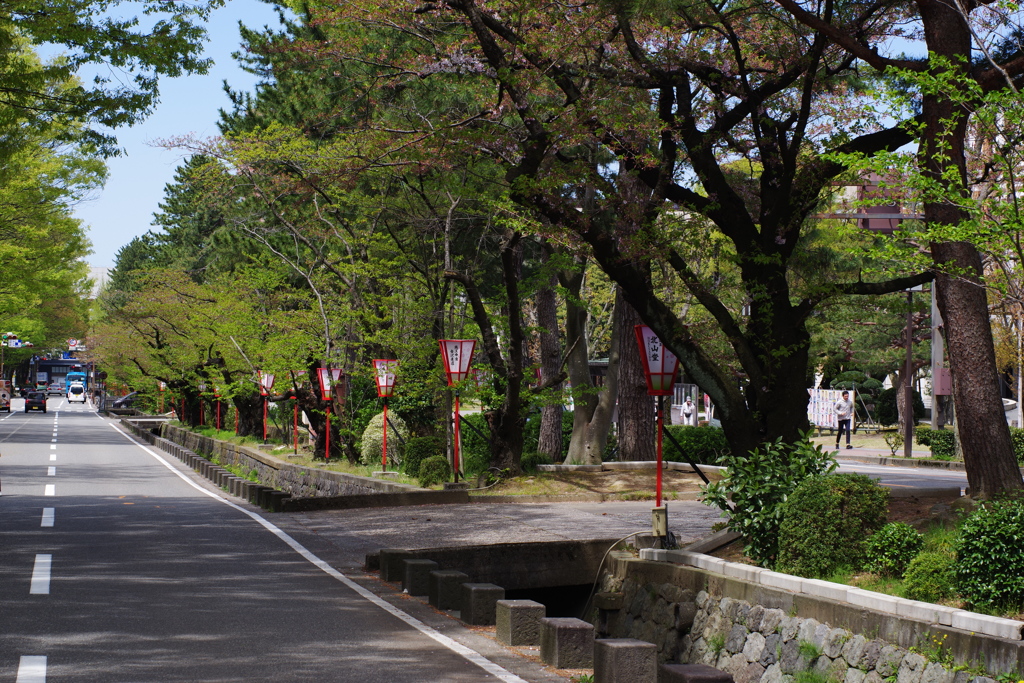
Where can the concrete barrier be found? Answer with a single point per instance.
(625, 660)
(444, 589)
(518, 621)
(566, 643)
(479, 603)
(416, 579)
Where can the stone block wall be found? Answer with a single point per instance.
(770, 636)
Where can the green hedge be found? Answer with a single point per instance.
(1017, 439)
(885, 407)
(419, 449)
(825, 522)
(943, 444)
(989, 567)
(705, 445)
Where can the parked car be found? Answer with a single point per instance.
(35, 400)
(54, 390)
(125, 401)
(76, 393)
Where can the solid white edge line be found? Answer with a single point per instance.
(41, 575)
(471, 655)
(48, 516)
(31, 669)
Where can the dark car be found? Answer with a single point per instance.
(35, 400)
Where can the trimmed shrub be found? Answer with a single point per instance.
(943, 444)
(418, 449)
(372, 444)
(530, 461)
(1017, 439)
(923, 435)
(755, 486)
(930, 577)
(705, 445)
(885, 407)
(531, 432)
(989, 567)
(434, 470)
(891, 550)
(825, 521)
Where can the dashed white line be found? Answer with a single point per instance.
(51, 471)
(50, 490)
(53, 440)
(53, 457)
(32, 669)
(48, 514)
(53, 447)
(41, 575)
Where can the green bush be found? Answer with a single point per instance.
(372, 444)
(418, 449)
(943, 444)
(434, 470)
(989, 567)
(1017, 439)
(705, 445)
(755, 486)
(923, 435)
(891, 550)
(825, 521)
(530, 461)
(929, 577)
(475, 451)
(885, 407)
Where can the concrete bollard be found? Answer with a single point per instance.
(479, 603)
(416, 579)
(566, 643)
(625, 660)
(692, 673)
(277, 498)
(444, 588)
(518, 621)
(392, 563)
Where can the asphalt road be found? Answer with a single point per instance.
(908, 478)
(119, 565)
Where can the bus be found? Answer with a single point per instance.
(76, 376)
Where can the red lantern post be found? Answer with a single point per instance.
(385, 378)
(660, 367)
(202, 411)
(327, 377)
(266, 384)
(458, 356)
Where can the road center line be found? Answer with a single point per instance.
(50, 490)
(31, 669)
(51, 471)
(53, 457)
(48, 514)
(41, 575)
(53, 447)
(457, 647)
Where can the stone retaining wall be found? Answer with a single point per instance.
(310, 487)
(761, 634)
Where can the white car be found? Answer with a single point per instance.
(76, 392)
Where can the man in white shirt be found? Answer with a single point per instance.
(844, 414)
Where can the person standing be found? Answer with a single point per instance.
(844, 414)
(689, 411)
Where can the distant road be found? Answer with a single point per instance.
(908, 477)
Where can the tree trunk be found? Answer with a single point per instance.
(988, 454)
(636, 408)
(550, 442)
(592, 407)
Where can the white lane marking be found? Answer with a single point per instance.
(53, 447)
(453, 645)
(50, 490)
(53, 440)
(53, 457)
(51, 471)
(47, 517)
(31, 669)
(41, 575)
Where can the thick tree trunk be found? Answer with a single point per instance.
(988, 453)
(250, 415)
(550, 442)
(636, 408)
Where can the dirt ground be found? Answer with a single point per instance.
(627, 485)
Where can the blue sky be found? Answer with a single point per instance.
(124, 208)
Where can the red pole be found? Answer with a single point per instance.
(327, 447)
(218, 414)
(456, 436)
(264, 419)
(658, 491)
(384, 455)
(295, 426)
